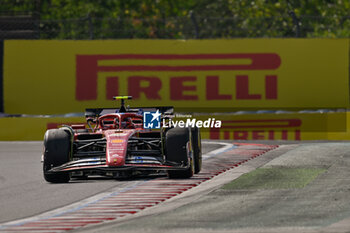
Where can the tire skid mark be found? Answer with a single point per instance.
(143, 195)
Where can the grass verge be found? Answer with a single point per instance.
(275, 178)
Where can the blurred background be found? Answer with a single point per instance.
(173, 19)
(58, 57)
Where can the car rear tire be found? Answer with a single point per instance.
(176, 142)
(57, 146)
(197, 150)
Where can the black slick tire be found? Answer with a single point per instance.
(56, 152)
(176, 143)
(197, 150)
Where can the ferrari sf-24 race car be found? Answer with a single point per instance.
(115, 143)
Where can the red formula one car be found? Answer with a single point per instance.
(116, 144)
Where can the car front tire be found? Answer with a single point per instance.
(177, 142)
(57, 146)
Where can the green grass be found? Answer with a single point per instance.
(275, 178)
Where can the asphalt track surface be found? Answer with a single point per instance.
(24, 192)
(323, 205)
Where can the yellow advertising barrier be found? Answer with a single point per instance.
(287, 126)
(51, 77)
(31, 128)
